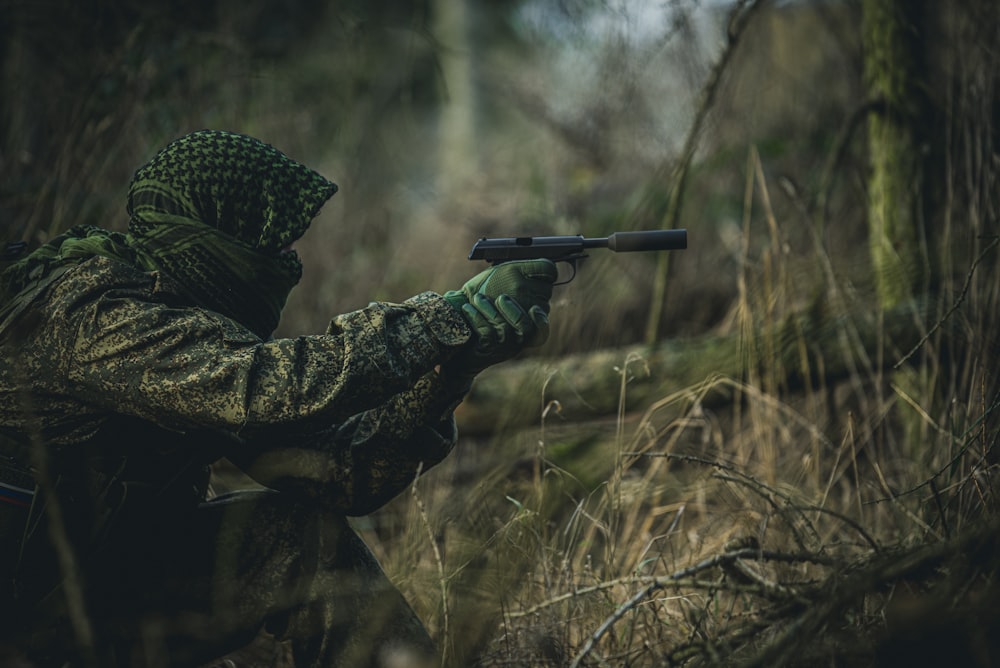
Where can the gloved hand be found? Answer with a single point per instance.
(507, 308)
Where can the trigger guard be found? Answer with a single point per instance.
(572, 264)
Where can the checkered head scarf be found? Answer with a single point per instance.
(218, 212)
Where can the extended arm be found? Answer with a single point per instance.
(186, 368)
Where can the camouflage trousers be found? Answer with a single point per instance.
(179, 589)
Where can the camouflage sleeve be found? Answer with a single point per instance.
(360, 465)
(346, 417)
(186, 368)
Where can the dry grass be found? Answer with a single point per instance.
(850, 522)
(787, 526)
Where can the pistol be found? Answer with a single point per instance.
(572, 248)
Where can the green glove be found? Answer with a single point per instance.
(507, 309)
(528, 282)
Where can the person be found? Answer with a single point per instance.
(134, 361)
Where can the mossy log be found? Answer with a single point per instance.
(811, 348)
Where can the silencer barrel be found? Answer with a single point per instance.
(648, 240)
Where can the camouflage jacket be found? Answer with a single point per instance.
(346, 417)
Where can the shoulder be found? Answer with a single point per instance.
(56, 292)
(101, 276)
(102, 296)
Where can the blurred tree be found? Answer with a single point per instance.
(456, 143)
(894, 73)
(86, 87)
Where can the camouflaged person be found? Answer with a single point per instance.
(133, 361)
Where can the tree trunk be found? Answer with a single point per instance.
(893, 70)
(457, 141)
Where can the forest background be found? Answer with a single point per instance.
(774, 447)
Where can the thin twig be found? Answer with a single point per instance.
(442, 580)
(766, 492)
(841, 591)
(739, 17)
(969, 437)
(745, 479)
(664, 581)
(846, 520)
(834, 159)
(954, 307)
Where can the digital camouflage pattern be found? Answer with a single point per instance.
(108, 340)
(131, 367)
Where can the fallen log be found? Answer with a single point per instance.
(805, 349)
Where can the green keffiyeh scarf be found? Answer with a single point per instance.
(217, 212)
